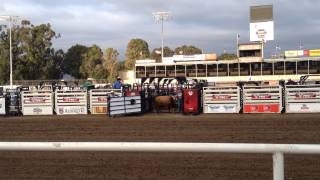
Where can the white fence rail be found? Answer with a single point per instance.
(262, 99)
(277, 150)
(69, 102)
(221, 99)
(37, 102)
(99, 99)
(303, 98)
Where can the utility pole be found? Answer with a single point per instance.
(10, 20)
(160, 17)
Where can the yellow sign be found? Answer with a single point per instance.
(314, 52)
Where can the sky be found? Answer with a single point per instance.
(210, 25)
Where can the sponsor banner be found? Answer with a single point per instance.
(66, 110)
(303, 108)
(262, 31)
(221, 97)
(102, 99)
(221, 108)
(306, 95)
(261, 97)
(314, 52)
(2, 106)
(37, 110)
(196, 57)
(36, 100)
(99, 110)
(70, 100)
(295, 53)
(261, 108)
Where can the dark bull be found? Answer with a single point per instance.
(163, 102)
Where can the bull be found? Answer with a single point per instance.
(163, 102)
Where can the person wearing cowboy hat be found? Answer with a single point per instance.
(117, 84)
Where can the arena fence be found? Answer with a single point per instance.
(99, 99)
(221, 99)
(262, 99)
(302, 98)
(37, 102)
(68, 102)
(277, 150)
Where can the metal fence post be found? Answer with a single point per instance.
(278, 166)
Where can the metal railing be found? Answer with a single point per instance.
(277, 150)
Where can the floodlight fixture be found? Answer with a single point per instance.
(160, 17)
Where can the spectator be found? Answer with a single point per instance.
(118, 84)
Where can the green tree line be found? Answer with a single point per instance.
(35, 58)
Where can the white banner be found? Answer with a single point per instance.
(303, 108)
(37, 110)
(69, 110)
(2, 106)
(221, 108)
(262, 31)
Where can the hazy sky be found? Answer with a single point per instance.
(209, 24)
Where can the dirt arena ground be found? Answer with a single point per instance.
(295, 128)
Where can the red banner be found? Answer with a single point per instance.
(261, 108)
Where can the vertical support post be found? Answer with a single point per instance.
(206, 70)
(217, 74)
(196, 70)
(145, 71)
(296, 67)
(165, 71)
(308, 66)
(278, 166)
(228, 69)
(10, 29)
(162, 51)
(272, 67)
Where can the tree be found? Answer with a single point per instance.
(54, 65)
(91, 65)
(136, 49)
(110, 63)
(187, 50)
(227, 56)
(73, 59)
(33, 55)
(157, 56)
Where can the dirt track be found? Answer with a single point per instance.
(300, 129)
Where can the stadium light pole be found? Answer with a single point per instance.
(10, 20)
(160, 17)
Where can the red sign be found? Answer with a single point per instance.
(306, 53)
(33, 100)
(75, 100)
(102, 99)
(306, 95)
(261, 108)
(221, 97)
(261, 96)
